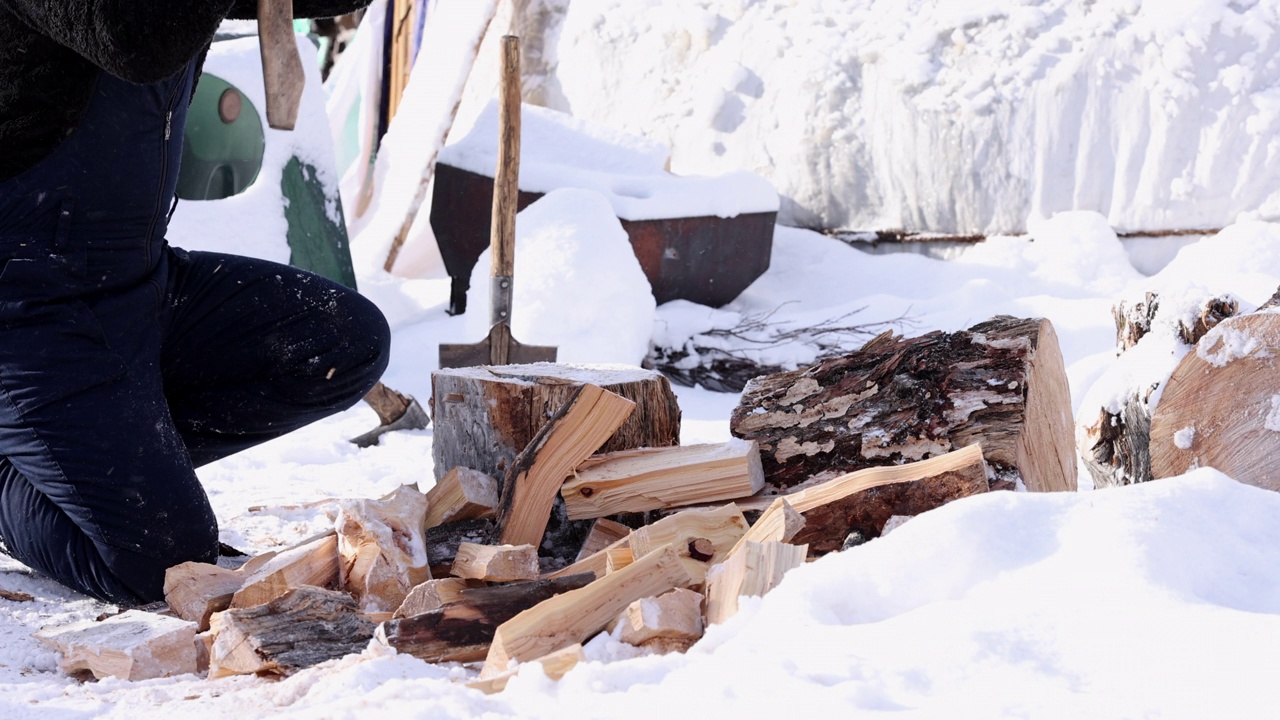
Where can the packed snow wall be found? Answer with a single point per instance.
(936, 115)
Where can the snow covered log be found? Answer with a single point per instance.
(1221, 406)
(301, 628)
(382, 555)
(1114, 433)
(134, 645)
(1001, 383)
(485, 416)
(462, 630)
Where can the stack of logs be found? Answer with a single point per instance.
(567, 509)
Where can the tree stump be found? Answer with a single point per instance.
(1002, 384)
(485, 416)
(1221, 406)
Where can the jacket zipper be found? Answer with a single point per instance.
(164, 168)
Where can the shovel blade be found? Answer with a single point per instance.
(498, 349)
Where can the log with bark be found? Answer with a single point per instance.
(462, 630)
(1152, 333)
(1000, 383)
(1221, 406)
(485, 416)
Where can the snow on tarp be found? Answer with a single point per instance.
(943, 116)
(558, 150)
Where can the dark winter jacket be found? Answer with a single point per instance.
(51, 50)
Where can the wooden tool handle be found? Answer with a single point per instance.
(506, 183)
(282, 73)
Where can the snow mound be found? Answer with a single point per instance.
(578, 285)
(1243, 259)
(940, 116)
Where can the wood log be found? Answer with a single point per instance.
(596, 563)
(720, 528)
(314, 562)
(863, 501)
(496, 563)
(617, 558)
(381, 548)
(1114, 434)
(569, 437)
(301, 628)
(485, 416)
(1221, 406)
(134, 645)
(577, 615)
(753, 570)
(195, 590)
(554, 665)
(431, 595)
(674, 615)
(443, 541)
(1001, 383)
(462, 494)
(462, 630)
(654, 478)
(604, 532)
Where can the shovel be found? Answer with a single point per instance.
(500, 348)
(282, 73)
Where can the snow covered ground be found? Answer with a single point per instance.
(1161, 600)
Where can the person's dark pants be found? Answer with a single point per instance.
(124, 364)
(103, 415)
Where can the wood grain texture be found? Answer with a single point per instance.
(283, 76)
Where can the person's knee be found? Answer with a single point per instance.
(369, 342)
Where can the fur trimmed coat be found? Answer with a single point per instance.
(51, 51)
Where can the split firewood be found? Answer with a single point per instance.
(571, 435)
(314, 562)
(462, 630)
(674, 617)
(596, 563)
(792, 522)
(617, 558)
(719, 528)
(1114, 432)
(577, 615)
(496, 563)
(485, 416)
(554, 665)
(604, 532)
(304, 627)
(462, 494)
(752, 570)
(134, 645)
(1221, 406)
(381, 550)
(444, 540)
(653, 478)
(431, 595)
(1001, 383)
(195, 590)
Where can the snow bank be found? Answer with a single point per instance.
(939, 116)
(557, 150)
(578, 285)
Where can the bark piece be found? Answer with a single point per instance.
(654, 478)
(444, 540)
(719, 527)
(1134, 318)
(554, 665)
(753, 570)
(301, 628)
(314, 562)
(496, 563)
(195, 590)
(674, 615)
(462, 494)
(531, 484)
(577, 615)
(604, 532)
(381, 548)
(134, 645)
(1001, 383)
(387, 403)
(863, 501)
(1221, 406)
(485, 416)
(431, 595)
(462, 630)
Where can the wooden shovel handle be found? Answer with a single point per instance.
(282, 74)
(506, 182)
